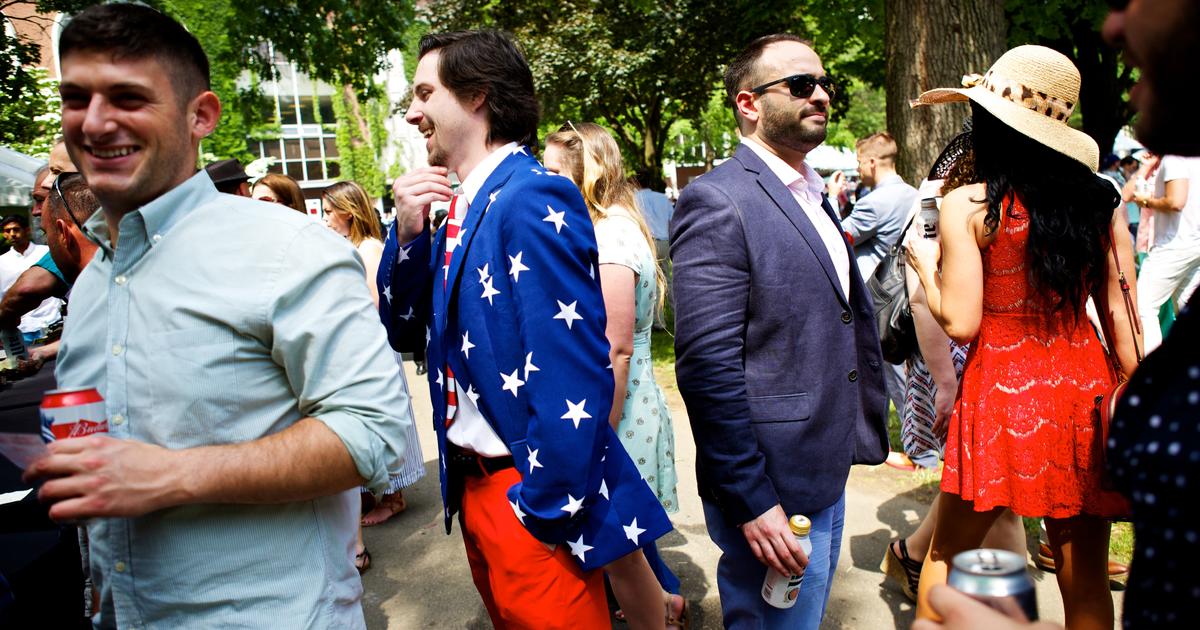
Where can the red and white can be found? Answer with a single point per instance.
(68, 413)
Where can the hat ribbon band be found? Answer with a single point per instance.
(1021, 94)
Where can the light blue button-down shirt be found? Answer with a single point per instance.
(217, 320)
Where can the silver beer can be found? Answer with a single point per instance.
(997, 578)
(929, 217)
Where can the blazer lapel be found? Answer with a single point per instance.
(795, 214)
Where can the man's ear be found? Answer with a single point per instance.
(747, 106)
(477, 101)
(204, 113)
(62, 232)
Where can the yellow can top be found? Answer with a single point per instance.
(800, 525)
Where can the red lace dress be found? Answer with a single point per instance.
(1022, 434)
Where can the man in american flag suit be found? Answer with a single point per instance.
(508, 303)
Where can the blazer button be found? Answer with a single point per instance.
(846, 317)
(853, 375)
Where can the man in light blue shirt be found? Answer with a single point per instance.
(247, 381)
(877, 220)
(657, 210)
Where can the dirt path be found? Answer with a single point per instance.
(420, 577)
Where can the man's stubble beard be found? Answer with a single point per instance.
(437, 157)
(788, 128)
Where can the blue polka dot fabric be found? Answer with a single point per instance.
(1153, 456)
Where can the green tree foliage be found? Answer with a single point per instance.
(358, 156)
(633, 65)
(31, 122)
(25, 91)
(341, 42)
(241, 107)
(862, 111)
(337, 41)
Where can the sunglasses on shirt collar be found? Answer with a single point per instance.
(801, 85)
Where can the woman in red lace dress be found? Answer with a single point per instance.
(1020, 253)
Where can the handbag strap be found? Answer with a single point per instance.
(899, 245)
(1135, 324)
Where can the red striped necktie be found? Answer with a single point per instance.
(453, 225)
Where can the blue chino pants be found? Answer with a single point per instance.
(740, 575)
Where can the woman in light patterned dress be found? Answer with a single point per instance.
(633, 287)
(348, 211)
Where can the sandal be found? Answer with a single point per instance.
(388, 506)
(362, 561)
(902, 568)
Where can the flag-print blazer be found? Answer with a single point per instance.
(520, 320)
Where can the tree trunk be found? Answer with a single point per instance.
(1102, 103)
(931, 44)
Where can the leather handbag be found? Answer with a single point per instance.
(893, 315)
(1106, 403)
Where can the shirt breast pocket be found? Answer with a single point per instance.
(781, 408)
(195, 385)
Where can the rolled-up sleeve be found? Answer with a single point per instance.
(327, 336)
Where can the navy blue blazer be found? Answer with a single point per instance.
(781, 375)
(519, 318)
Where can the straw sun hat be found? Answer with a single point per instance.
(1032, 89)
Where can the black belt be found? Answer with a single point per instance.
(474, 464)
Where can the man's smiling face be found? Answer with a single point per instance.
(125, 127)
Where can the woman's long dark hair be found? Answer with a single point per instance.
(1069, 207)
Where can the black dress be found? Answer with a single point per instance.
(1154, 455)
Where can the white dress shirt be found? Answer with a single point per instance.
(12, 265)
(806, 187)
(469, 429)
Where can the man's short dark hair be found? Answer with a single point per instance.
(19, 219)
(488, 62)
(81, 200)
(1129, 159)
(134, 31)
(742, 73)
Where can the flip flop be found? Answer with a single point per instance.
(362, 561)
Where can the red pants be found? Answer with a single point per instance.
(523, 583)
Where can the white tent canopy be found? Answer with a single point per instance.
(16, 176)
(827, 158)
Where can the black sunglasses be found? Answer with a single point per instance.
(801, 85)
(66, 205)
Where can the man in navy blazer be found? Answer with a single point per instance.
(778, 359)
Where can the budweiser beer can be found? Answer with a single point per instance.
(68, 413)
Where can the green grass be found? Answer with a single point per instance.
(894, 429)
(1120, 542)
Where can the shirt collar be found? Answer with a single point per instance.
(894, 178)
(805, 181)
(161, 214)
(483, 170)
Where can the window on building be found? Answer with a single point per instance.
(306, 148)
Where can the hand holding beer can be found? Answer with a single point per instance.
(997, 578)
(68, 413)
